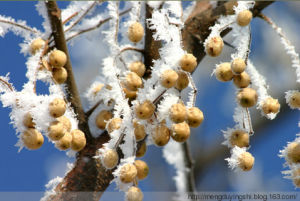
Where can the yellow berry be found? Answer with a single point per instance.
(114, 124)
(188, 62)
(66, 122)
(161, 135)
(28, 121)
(293, 152)
(97, 88)
(56, 130)
(145, 110)
(194, 117)
(129, 94)
(168, 78)
(110, 159)
(246, 161)
(182, 81)
(214, 46)
(57, 58)
(134, 194)
(294, 100)
(296, 181)
(78, 140)
(128, 173)
(239, 138)
(241, 80)
(247, 97)
(135, 32)
(178, 112)
(133, 81)
(36, 45)
(57, 107)
(223, 72)
(60, 75)
(142, 169)
(270, 105)
(181, 132)
(238, 65)
(65, 142)
(138, 67)
(141, 150)
(244, 17)
(102, 118)
(139, 131)
(32, 139)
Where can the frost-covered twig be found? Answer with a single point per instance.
(19, 25)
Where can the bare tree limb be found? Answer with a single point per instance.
(19, 25)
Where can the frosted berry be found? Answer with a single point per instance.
(57, 58)
(178, 112)
(145, 110)
(32, 139)
(133, 81)
(296, 176)
(194, 117)
(139, 131)
(102, 118)
(182, 81)
(241, 80)
(56, 130)
(223, 72)
(142, 169)
(293, 152)
(214, 46)
(36, 45)
(168, 78)
(239, 138)
(244, 17)
(110, 159)
(181, 132)
(161, 135)
(60, 75)
(65, 142)
(114, 124)
(141, 150)
(246, 161)
(78, 140)
(247, 97)
(129, 94)
(294, 100)
(97, 88)
(138, 67)
(135, 32)
(57, 107)
(28, 121)
(270, 105)
(188, 62)
(134, 194)
(238, 65)
(128, 173)
(66, 122)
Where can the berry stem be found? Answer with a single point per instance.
(189, 164)
(251, 132)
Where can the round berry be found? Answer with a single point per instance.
(128, 173)
(57, 58)
(65, 142)
(135, 32)
(241, 80)
(32, 139)
(161, 135)
(97, 88)
(223, 72)
(239, 138)
(247, 97)
(114, 124)
(141, 151)
(238, 65)
(78, 140)
(294, 100)
(182, 81)
(181, 132)
(168, 78)
(57, 107)
(142, 169)
(270, 105)
(102, 118)
(188, 62)
(145, 110)
(134, 194)
(133, 81)
(139, 131)
(244, 17)
(194, 117)
(129, 94)
(138, 67)
(110, 159)
(214, 46)
(246, 161)
(66, 122)
(296, 176)
(178, 112)
(36, 45)
(28, 121)
(60, 75)
(293, 152)
(56, 130)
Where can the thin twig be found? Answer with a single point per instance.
(194, 88)
(189, 164)
(251, 132)
(249, 46)
(69, 18)
(19, 25)
(9, 86)
(90, 111)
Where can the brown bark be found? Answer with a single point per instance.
(88, 175)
